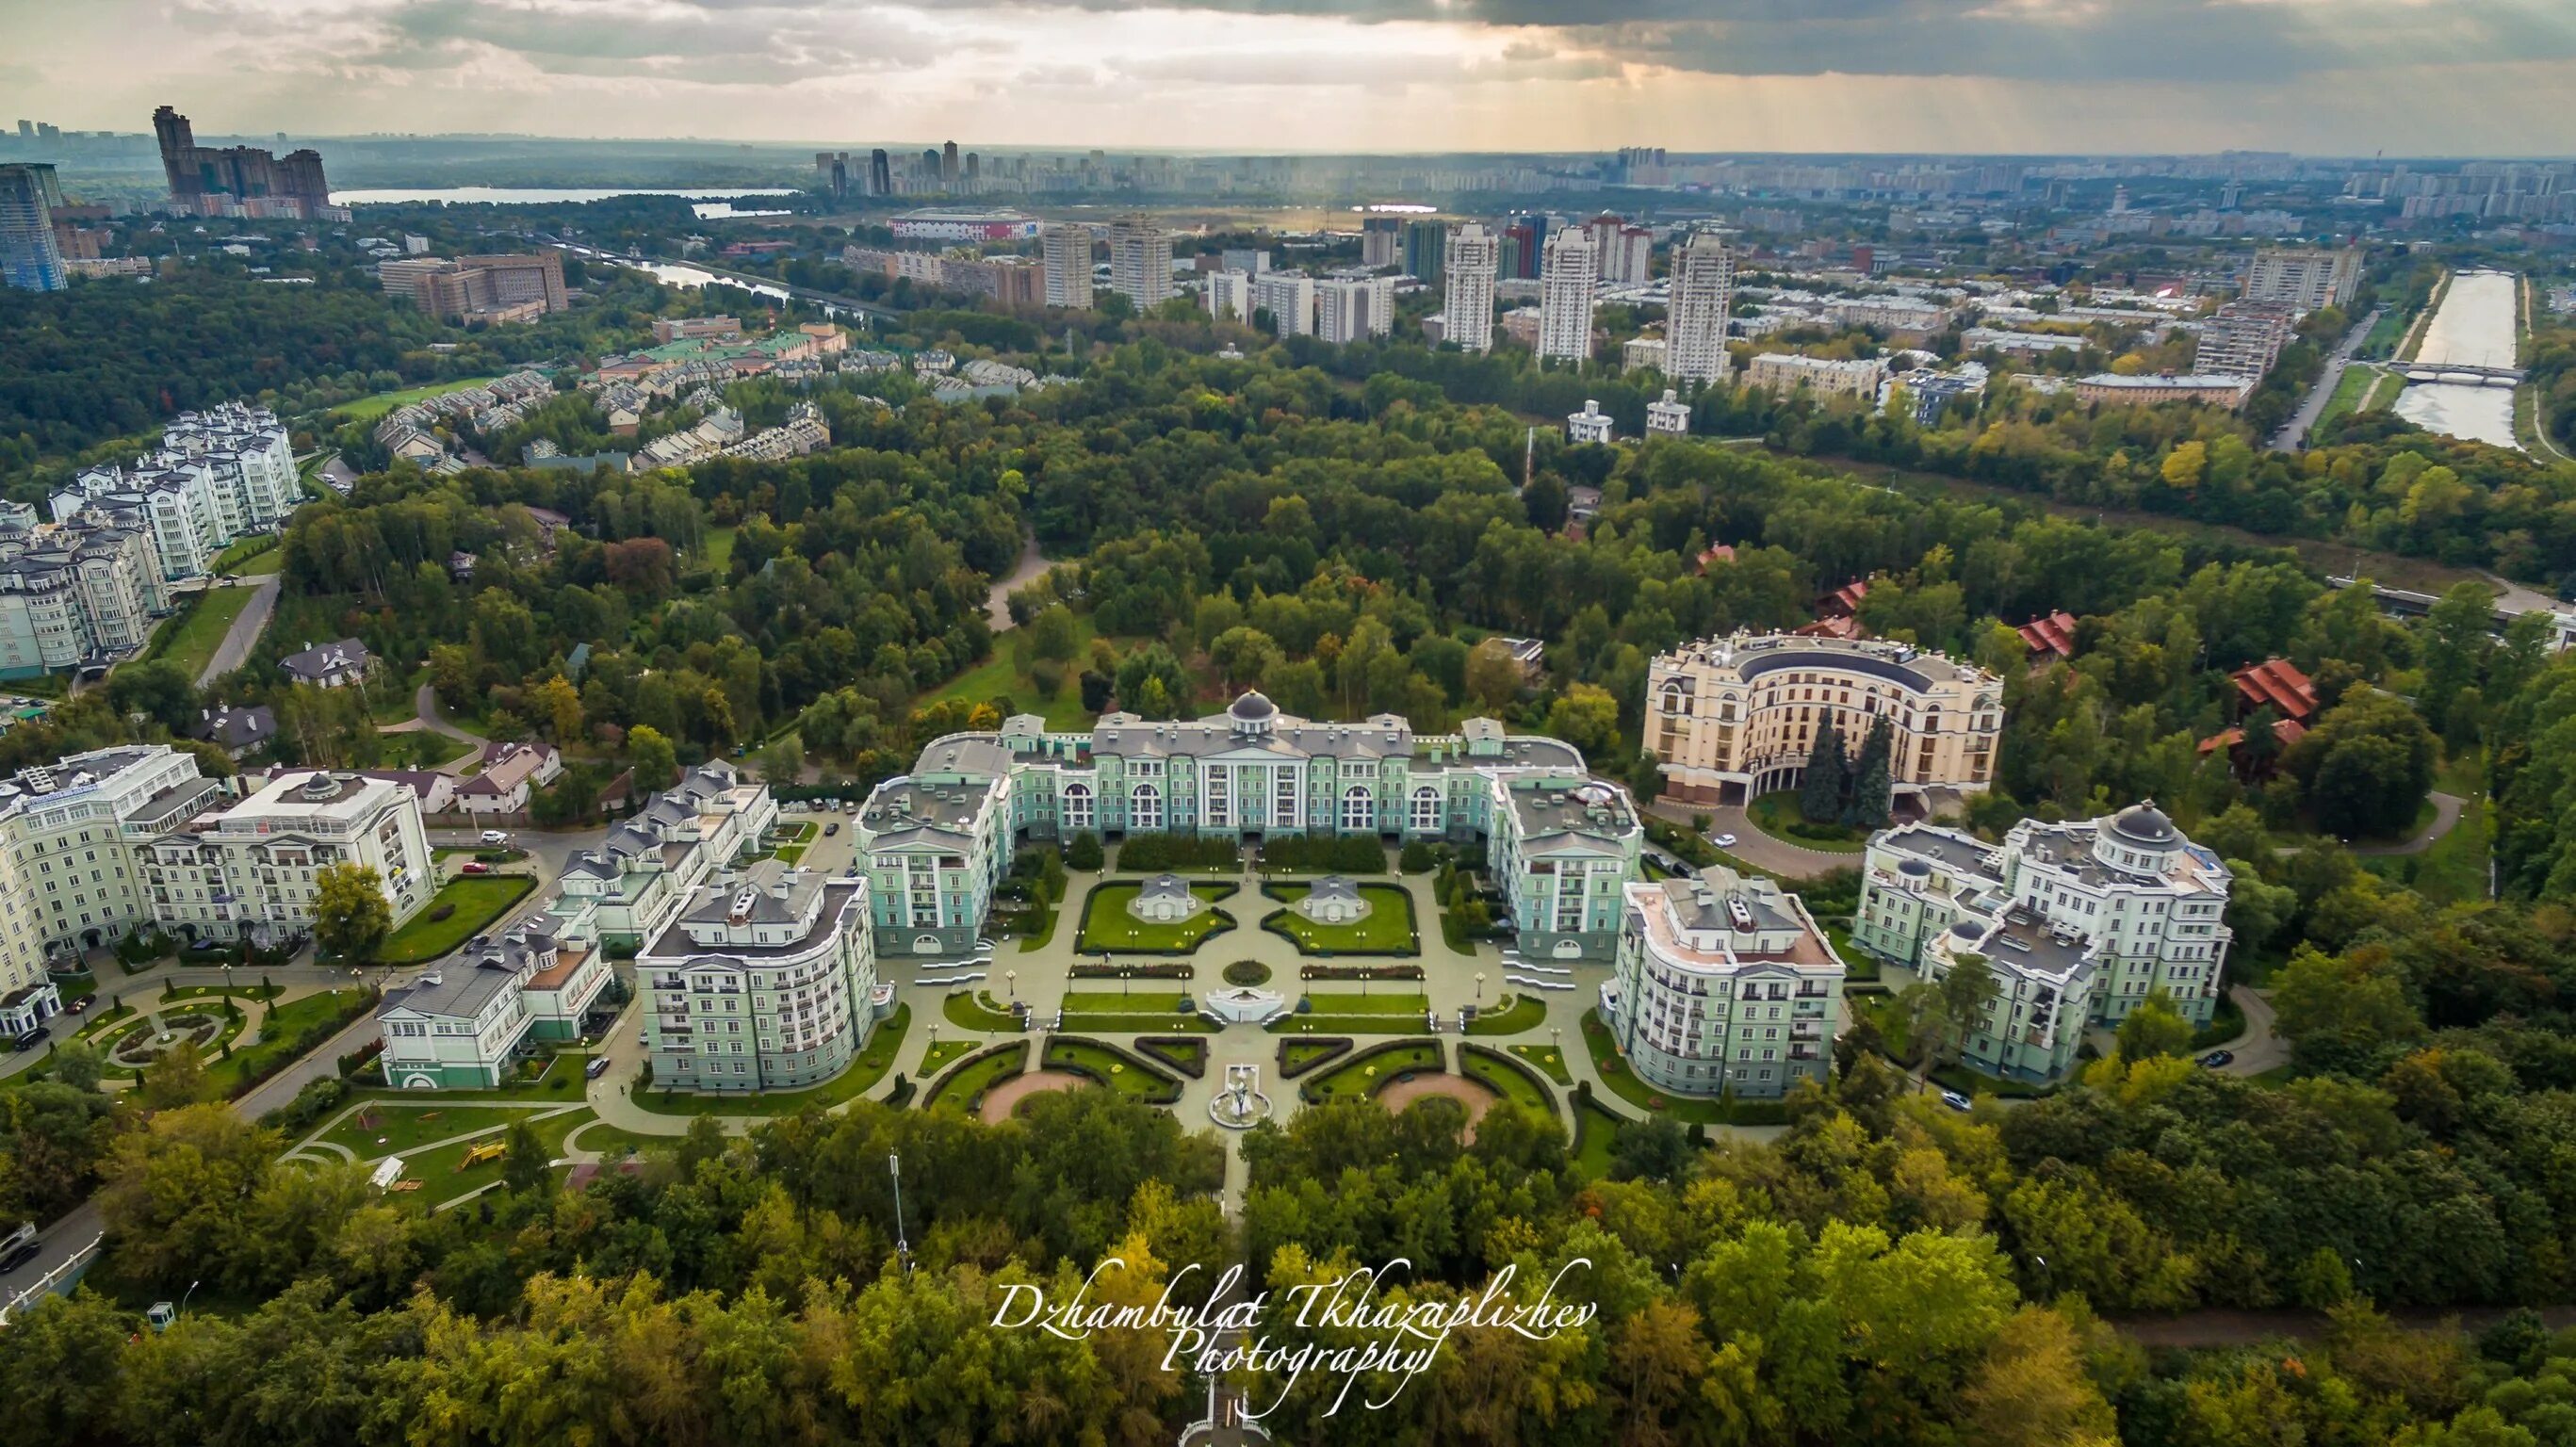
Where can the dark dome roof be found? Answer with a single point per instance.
(1914, 866)
(1968, 929)
(2146, 824)
(1253, 706)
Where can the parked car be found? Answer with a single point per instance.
(1722, 841)
(831, 829)
(77, 1007)
(20, 1254)
(206, 946)
(1956, 1101)
(496, 836)
(597, 1067)
(29, 1039)
(2217, 1058)
(474, 866)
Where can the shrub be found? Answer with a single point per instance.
(1416, 858)
(1146, 852)
(1345, 854)
(444, 911)
(1085, 851)
(1247, 972)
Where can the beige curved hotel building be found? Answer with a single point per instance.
(1734, 718)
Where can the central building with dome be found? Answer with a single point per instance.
(2080, 923)
(1559, 842)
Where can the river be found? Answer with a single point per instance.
(713, 207)
(2475, 327)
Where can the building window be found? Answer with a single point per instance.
(1077, 806)
(1359, 811)
(1426, 810)
(1145, 808)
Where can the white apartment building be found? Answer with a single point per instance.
(648, 863)
(1229, 295)
(1589, 425)
(1703, 293)
(2243, 340)
(1723, 982)
(1067, 253)
(75, 593)
(221, 474)
(2304, 277)
(1566, 281)
(1350, 308)
(1786, 372)
(1140, 262)
(2080, 922)
(764, 983)
(1289, 297)
(248, 871)
(1669, 417)
(1474, 253)
(459, 1026)
(1895, 314)
(1735, 718)
(1627, 256)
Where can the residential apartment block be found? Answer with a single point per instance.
(95, 845)
(1723, 982)
(224, 473)
(2080, 922)
(1066, 254)
(1140, 262)
(651, 862)
(459, 1026)
(509, 288)
(1354, 308)
(1703, 294)
(2152, 389)
(2304, 277)
(1735, 718)
(1468, 299)
(765, 983)
(1566, 285)
(1559, 842)
(1289, 297)
(1787, 372)
(2243, 340)
(75, 594)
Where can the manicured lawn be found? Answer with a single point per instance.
(946, 1053)
(2348, 393)
(791, 853)
(970, 1081)
(1512, 1015)
(474, 902)
(608, 1141)
(1777, 815)
(1360, 1078)
(1547, 1058)
(1511, 1081)
(373, 1131)
(1597, 1132)
(1108, 928)
(719, 549)
(278, 1035)
(977, 1011)
(190, 639)
(1127, 1077)
(1146, 1002)
(1299, 1052)
(442, 1180)
(368, 409)
(1386, 930)
(1000, 677)
(1397, 1004)
(862, 1076)
(1139, 1024)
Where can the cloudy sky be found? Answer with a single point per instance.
(2338, 76)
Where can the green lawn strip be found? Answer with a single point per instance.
(1969, 1083)
(719, 548)
(1107, 927)
(1361, 1076)
(1139, 1024)
(1387, 930)
(1777, 815)
(945, 1053)
(1547, 1058)
(791, 853)
(865, 1071)
(78, 987)
(104, 1024)
(1042, 932)
(1596, 1138)
(1351, 1004)
(476, 902)
(2453, 870)
(1512, 1015)
(1121, 1002)
(1346, 1024)
(1506, 1077)
(282, 1037)
(1623, 1082)
(977, 1011)
(444, 1176)
(374, 1130)
(963, 1087)
(243, 553)
(1189, 1057)
(1296, 1057)
(1127, 1074)
(611, 1143)
(190, 639)
(235, 992)
(999, 676)
(557, 1075)
(368, 409)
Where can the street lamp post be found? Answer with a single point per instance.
(1013, 976)
(1122, 982)
(1480, 987)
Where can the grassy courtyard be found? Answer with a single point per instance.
(1387, 929)
(288, 1031)
(190, 639)
(1359, 1079)
(1107, 927)
(374, 1131)
(472, 904)
(368, 409)
(1506, 1078)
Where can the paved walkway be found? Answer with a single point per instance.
(2261, 1047)
(425, 715)
(244, 633)
(997, 601)
(1766, 851)
(2446, 817)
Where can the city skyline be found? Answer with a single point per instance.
(1320, 76)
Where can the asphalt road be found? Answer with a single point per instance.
(243, 636)
(2294, 433)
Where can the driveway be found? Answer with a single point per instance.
(2446, 817)
(425, 715)
(243, 636)
(2260, 1048)
(1774, 855)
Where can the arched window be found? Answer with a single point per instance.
(1145, 808)
(1359, 810)
(1426, 810)
(1077, 806)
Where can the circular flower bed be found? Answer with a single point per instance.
(1247, 972)
(143, 1045)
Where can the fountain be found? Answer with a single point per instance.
(1241, 1102)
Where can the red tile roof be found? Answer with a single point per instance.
(1717, 553)
(2052, 634)
(2276, 683)
(1845, 600)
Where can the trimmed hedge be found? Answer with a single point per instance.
(1323, 1048)
(1058, 1056)
(1184, 1053)
(1437, 1065)
(1324, 854)
(1018, 1050)
(1149, 853)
